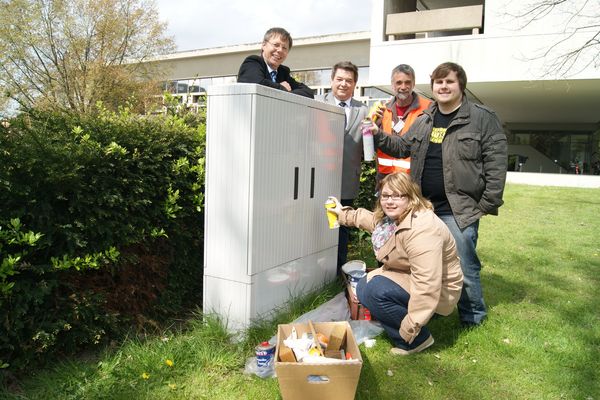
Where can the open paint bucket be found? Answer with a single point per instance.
(355, 270)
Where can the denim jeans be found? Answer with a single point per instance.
(471, 307)
(388, 303)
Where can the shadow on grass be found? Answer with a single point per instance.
(368, 374)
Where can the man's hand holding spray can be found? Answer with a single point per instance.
(375, 114)
(332, 205)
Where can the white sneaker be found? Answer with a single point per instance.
(401, 352)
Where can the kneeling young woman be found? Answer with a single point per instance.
(421, 274)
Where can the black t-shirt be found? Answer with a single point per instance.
(432, 181)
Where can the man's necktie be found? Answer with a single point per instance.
(274, 76)
(343, 105)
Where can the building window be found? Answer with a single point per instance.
(553, 151)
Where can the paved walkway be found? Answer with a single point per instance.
(564, 180)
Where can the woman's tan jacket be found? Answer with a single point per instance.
(421, 257)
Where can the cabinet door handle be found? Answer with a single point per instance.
(312, 182)
(296, 176)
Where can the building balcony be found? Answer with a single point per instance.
(432, 23)
(507, 65)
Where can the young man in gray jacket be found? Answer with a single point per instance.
(458, 153)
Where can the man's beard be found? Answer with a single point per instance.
(402, 96)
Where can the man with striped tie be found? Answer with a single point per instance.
(344, 76)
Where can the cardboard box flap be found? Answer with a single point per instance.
(326, 328)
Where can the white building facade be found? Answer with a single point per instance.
(514, 59)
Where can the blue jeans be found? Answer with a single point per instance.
(388, 303)
(471, 307)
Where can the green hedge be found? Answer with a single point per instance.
(101, 226)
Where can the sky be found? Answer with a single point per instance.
(201, 24)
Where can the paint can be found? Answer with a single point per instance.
(265, 352)
(355, 270)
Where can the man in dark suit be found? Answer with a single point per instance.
(344, 76)
(267, 69)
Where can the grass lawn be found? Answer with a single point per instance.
(540, 278)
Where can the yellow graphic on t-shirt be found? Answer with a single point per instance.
(437, 135)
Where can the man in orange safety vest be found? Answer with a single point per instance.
(398, 117)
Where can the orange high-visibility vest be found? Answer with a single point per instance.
(387, 164)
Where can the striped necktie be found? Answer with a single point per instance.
(343, 105)
(273, 76)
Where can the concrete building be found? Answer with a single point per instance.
(550, 105)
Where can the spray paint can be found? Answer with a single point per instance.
(368, 143)
(332, 218)
(373, 110)
(265, 352)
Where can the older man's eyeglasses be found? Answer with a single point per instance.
(393, 196)
(279, 46)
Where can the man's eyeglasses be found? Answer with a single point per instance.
(279, 46)
(394, 197)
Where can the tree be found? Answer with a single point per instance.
(579, 21)
(72, 53)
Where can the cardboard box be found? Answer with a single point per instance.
(335, 381)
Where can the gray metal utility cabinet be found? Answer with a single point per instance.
(272, 160)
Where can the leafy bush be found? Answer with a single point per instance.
(366, 195)
(112, 205)
(14, 244)
(360, 241)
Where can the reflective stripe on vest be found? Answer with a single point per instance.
(395, 162)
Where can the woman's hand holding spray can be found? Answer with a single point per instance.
(332, 217)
